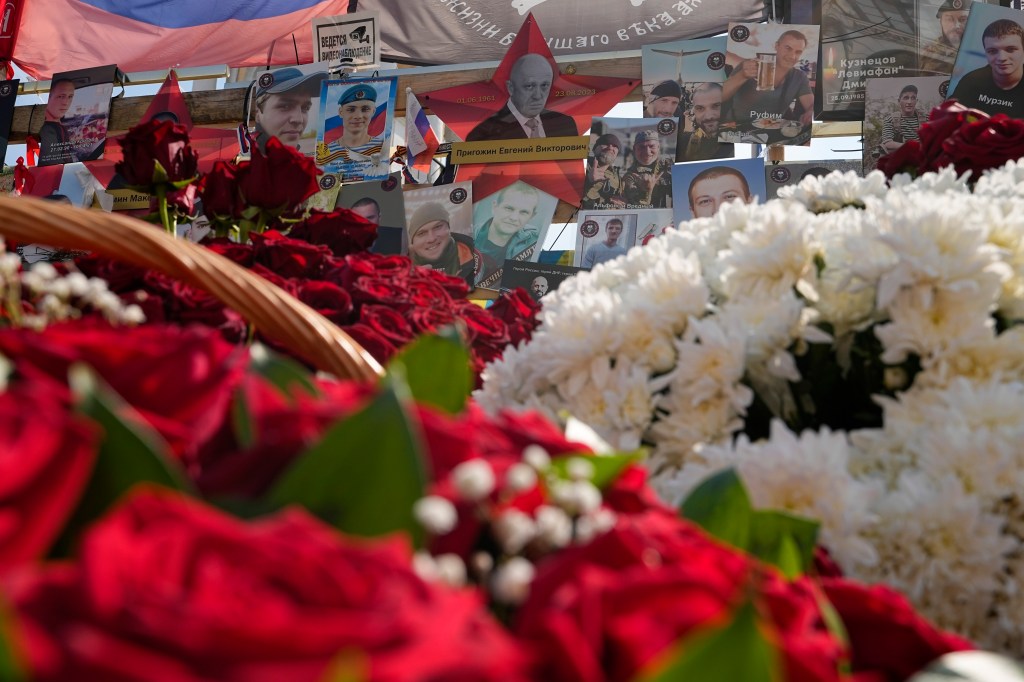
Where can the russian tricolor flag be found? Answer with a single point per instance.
(144, 35)
(419, 136)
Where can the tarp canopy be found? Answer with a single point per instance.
(460, 31)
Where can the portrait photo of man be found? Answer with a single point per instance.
(525, 114)
(894, 110)
(939, 54)
(664, 100)
(282, 108)
(511, 232)
(902, 126)
(705, 114)
(767, 85)
(432, 243)
(995, 88)
(703, 187)
(354, 127)
(607, 249)
(714, 187)
(539, 287)
(647, 182)
(368, 208)
(602, 187)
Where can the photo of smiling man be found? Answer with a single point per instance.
(996, 86)
(701, 188)
(354, 136)
(439, 234)
(510, 225)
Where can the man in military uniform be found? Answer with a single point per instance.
(648, 181)
(604, 179)
(937, 56)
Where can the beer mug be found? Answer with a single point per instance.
(765, 70)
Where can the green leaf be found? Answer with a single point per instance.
(783, 540)
(607, 468)
(284, 373)
(721, 507)
(241, 420)
(366, 473)
(437, 370)
(11, 666)
(733, 653)
(130, 452)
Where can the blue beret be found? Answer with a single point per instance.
(356, 93)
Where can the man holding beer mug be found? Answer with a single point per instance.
(770, 86)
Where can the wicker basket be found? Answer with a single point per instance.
(273, 311)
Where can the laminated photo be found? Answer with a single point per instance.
(630, 163)
(8, 96)
(684, 78)
(382, 202)
(74, 126)
(510, 224)
(285, 104)
(787, 173)
(768, 93)
(537, 279)
(602, 236)
(356, 118)
(703, 187)
(989, 66)
(652, 223)
(439, 229)
(894, 110)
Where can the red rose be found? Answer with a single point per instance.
(46, 460)
(907, 159)
(328, 299)
(430, 319)
(280, 179)
(888, 639)
(179, 380)
(284, 426)
(219, 190)
(166, 589)
(343, 232)
(483, 328)
(288, 257)
(119, 276)
(455, 286)
(519, 311)
(985, 143)
(233, 251)
(372, 341)
(942, 121)
(369, 290)
(388, 323)
(425, 293)
(157, 153)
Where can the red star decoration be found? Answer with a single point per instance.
(465, 106)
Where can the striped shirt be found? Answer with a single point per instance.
(908, 126)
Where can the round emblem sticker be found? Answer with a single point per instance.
(666, 126)
(5, 90)
(328, 181)
(389, 184)
(266, 80)
(780, 175)
(589, 228)
(458, 195)
(716, 60)
(958, 4)
(739, 33)
(943, 89)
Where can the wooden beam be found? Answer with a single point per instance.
(223, 108)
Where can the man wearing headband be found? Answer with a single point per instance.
(282, 106)
(648, 181)
(432, 243)
(524, 115)
(604, 179)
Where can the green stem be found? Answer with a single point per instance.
(243, 231)
(261, 223)
(165, 217)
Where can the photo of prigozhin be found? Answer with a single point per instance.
(894, 110)
(989, 69)
(630, 163)
(768, 94)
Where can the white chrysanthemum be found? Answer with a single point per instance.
(1004, 182)
(945, 180)
(835, 190)
(806, 475)
(932, 325)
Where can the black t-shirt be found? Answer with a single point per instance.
(977, 89)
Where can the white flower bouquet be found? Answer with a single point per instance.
(850, 349)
